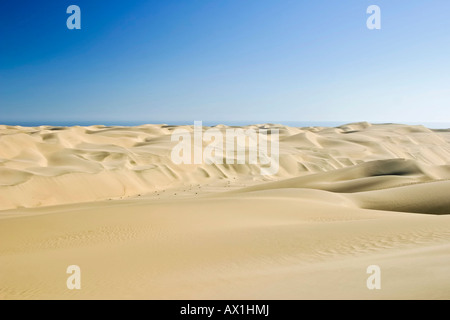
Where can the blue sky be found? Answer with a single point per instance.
(252, 60)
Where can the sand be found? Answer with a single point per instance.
(110, 200)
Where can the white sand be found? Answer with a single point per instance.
(111, 201)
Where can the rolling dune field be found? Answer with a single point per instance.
(111, 200)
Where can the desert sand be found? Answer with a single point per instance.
(110, 200)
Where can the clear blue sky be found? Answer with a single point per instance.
(227, 60)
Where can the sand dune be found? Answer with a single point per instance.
(80, 164)
(110, 200)
(391, 185)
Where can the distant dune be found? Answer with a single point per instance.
(55, 165)
(110, 200)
